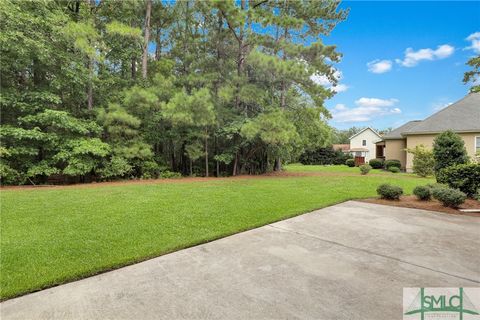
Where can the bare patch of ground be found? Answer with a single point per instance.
(433, 205)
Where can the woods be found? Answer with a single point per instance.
(101, 90)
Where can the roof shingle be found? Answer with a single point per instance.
(461, 116)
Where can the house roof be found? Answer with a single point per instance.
(342, 147)
(359, 149)
(397, 133)
(461, 116)
(367, 128)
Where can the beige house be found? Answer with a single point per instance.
(463, 117)
(362, 145)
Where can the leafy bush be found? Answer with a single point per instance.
(116, 167)
(423, 193)
(436, 188)
(465, 177)
(170, 175)
(392, 163)
(365, 168)
(387, 191)
(324, 156)
(449, 197)
(376, 163)
(448, 150)
(423, 161)
(150, 169)
(394, 169)
(350, 162)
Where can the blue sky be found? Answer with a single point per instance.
(404, 85)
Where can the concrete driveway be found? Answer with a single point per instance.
(349, 261)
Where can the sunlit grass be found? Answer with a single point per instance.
(50, 236)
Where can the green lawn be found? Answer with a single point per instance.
(297, 167)
(50, 236)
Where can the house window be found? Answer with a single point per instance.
(477, 145)
(364, 142)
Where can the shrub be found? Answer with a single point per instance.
(449, 197)
(150, 169)
(376, 163)
(436, 188)
(350, 162)
(423, 193)
(394, 169)
(392, 163)
(365, 168)
(465, 177)
(170, 175)
(423, 161)
(387, 191)
(115, 168)
(448, 150)
(323, 156)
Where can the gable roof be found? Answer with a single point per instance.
(367, 128)
(397, 133)
(461, 116)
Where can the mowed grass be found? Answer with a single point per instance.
(50, 236)
(297, 167)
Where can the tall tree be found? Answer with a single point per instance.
(473, 76)
(146, 40)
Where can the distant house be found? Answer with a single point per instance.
(362, 145)
(463, 117)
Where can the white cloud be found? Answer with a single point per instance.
(474, 38)
(366, 109)
(412, 58)
(340, 88)
(379, 66)
(375, 102)
(323, 80)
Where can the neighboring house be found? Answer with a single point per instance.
(462, 117)
(362, 145)
(345, 148)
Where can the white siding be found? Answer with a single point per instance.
(371, 137)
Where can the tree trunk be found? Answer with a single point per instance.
(134, 68)
(158, 47)
(278, 164)
(206, 153)
(146, 39)
(191, 167)
(90, 84)
(235, 162)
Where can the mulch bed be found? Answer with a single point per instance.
(433, 205)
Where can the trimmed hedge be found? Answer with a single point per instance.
(350, 162)
(449, 197)
(392, 163)
(394, 169)
(365, 168)
(465, 177)
(389, 192)
(423, 193)
(376, 163)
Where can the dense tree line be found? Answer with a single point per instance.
(116, 89)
